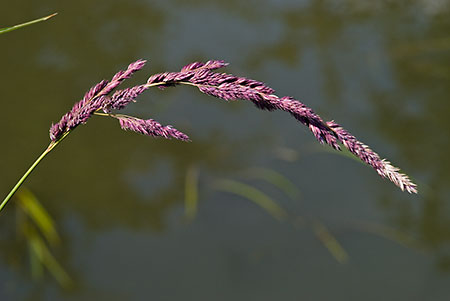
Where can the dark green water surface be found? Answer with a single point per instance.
(379, 68)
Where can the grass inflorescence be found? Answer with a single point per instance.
(104, 100)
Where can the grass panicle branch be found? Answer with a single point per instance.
(383, 167)
(94, 100)
(149, 127)
(230, 87)
(220, 85)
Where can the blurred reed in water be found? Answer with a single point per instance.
(37, 228)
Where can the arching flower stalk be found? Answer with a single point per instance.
(98, 101)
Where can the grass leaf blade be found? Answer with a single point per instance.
(191, 193)
(31, 205)
(8, 29)
(277, 179)
(330, 242)
(254, 195)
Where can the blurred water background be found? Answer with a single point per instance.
(253, 208)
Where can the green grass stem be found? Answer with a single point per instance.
(8, 29)
(51, 146)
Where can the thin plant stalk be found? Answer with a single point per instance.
(7, 29)
(50, 147)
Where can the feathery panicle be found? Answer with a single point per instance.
(209, 65)
(186, 73)
(71, 117)
(230, 87)
(93, 100)
(82, 114)
(150, 127)
(382, 166)
(224, 86)
(94, 91)
(220, 85)
(122, 75)
(272, 102)
(228, 82)
(121, 98)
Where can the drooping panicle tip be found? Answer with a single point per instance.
(95, 99)
(150, 127)
(209, 65)
(383, 167)
(54, 132)
(215, 64)
(139, 64)
(399, 179)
